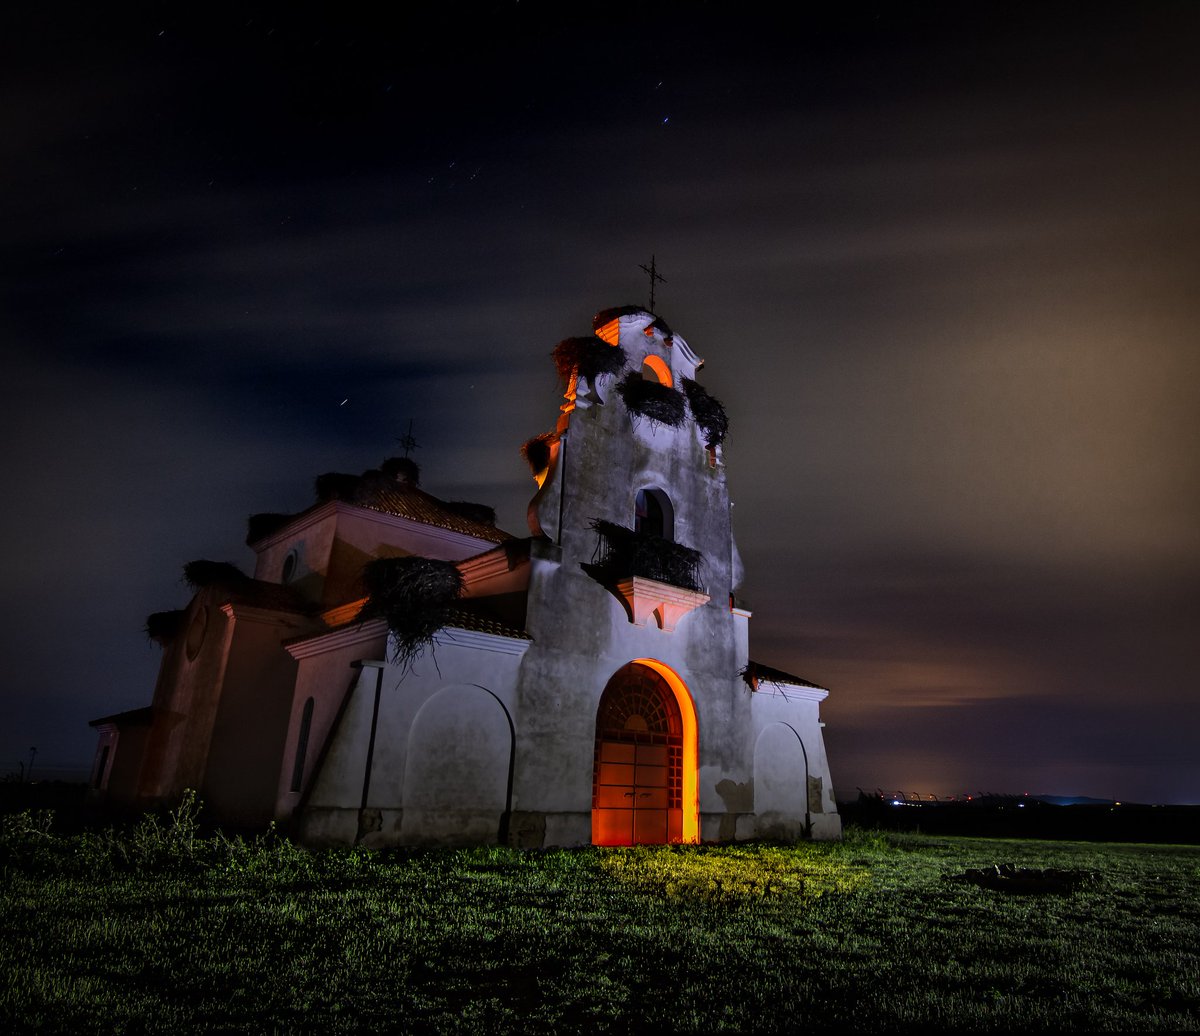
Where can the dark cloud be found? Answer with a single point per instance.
(939, 261)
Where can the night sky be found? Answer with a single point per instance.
(942, 262)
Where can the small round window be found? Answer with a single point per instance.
(289, 568)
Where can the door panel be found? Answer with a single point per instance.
(617, 752)
(650, 755)
(616, 773)
(649, 826)
(650, 798)
(612, 826)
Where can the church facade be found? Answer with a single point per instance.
(399, 671)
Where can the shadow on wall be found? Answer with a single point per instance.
(739, 800)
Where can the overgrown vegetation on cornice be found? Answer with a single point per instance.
(162, 627)
(202, 573)
(413, 595)
(260, 526)
(707, 410)
(588, 357)
(652, 400)
(404, 469)
(536, 451)
(335, 485)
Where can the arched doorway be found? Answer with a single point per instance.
(643, 778)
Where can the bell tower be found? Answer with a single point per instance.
(632, 481)
(633, 564)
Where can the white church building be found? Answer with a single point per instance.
(399, 671)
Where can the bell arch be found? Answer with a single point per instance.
(653, 513)
(645, 786)
(654, 368)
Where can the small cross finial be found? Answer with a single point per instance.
(407, 440)
(652, 270)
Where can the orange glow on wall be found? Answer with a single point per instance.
(343, 613)
(660, 370)
(610, 332)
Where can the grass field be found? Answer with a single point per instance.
(157, 928)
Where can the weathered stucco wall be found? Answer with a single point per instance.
(251, 723)
(326, 673)
(186, 697)
(793, 791)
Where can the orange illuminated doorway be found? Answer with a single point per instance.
(645, 754)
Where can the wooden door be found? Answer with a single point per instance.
(638, 764)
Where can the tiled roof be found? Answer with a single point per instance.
(756, 671)
(391, 489)
(407, 501)
(465, 620)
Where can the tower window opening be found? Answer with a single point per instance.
(653, 514)
(654, 368)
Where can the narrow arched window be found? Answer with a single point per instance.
(302, 746)
(653, 514)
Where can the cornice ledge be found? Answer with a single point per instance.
(320, 644)
(791, 691)
(267, 616)
(454, 636)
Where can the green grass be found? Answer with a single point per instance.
(158, 928)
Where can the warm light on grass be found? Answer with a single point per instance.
(731, 873)
(158, 927)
